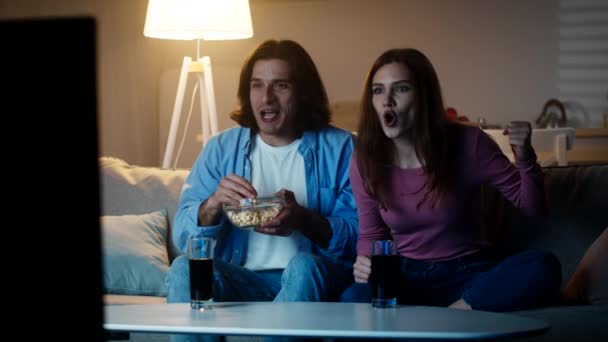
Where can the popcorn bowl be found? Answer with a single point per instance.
(253, 212)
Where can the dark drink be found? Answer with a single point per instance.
(384, 280)
(201, 279)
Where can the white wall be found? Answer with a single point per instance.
(495, 58)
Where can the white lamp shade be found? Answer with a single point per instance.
(198, 19)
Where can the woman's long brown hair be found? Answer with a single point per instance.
(429, 136)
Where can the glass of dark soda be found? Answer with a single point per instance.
(384, 280)
(200, 254)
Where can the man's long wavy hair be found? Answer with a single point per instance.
(429, 135)
(312, 104)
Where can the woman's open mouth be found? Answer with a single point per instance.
(390, 118)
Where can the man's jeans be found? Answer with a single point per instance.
(307, 278)
(519, 282)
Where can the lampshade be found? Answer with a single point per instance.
(198, 19)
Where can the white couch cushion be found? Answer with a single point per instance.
(135, 190)
(135, 260)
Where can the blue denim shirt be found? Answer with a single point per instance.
(326, 154)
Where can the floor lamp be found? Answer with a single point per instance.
(196, 20)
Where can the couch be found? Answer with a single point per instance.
(143, 200)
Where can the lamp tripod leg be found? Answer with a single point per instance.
(204, 112)
(210, 94)
(177, 111)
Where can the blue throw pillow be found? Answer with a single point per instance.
(135, 258)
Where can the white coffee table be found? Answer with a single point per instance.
(331, 320)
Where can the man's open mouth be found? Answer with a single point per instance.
(269, 114)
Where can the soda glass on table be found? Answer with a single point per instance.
(200, 255)
(384, 280)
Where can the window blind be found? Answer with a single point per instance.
(583, 60)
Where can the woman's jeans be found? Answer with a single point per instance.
(307, 278)
(521, 281)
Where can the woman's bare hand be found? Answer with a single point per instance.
(362, 269)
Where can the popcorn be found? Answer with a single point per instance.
(253, 212)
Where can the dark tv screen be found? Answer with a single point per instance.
(51, 236)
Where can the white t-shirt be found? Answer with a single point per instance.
(273, 169)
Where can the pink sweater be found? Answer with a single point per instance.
(452, 228)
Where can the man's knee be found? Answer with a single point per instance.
(178, 280)
(179, 267)
(303, 280)
(303, 265)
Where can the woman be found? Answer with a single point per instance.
(416, 178)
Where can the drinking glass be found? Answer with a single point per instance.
(384, 279)
(200, 255)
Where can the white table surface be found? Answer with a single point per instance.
(337, 320)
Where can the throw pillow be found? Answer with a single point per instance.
(589, 283)
(135, 258)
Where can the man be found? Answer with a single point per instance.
(284, 147)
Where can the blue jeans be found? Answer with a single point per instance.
(521, 281)
(307, 278)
